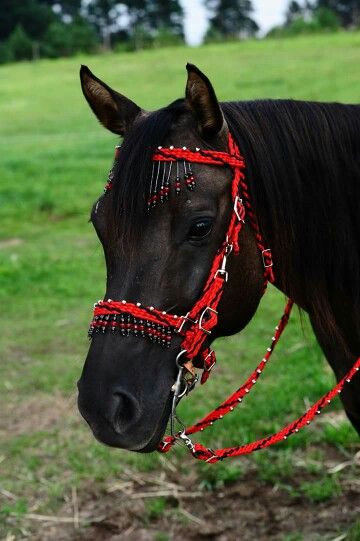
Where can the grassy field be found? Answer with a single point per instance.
(53, 162)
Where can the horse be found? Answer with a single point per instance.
(301, 161)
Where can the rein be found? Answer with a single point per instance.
(195, 327)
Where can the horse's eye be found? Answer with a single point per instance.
(200, 229)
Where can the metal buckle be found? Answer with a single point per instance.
(207, 309)
(222, 270)
(263, 258)
(236, 210)
(184, 320)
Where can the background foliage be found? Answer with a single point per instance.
(32, 29)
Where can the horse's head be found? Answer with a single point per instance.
(160, 257)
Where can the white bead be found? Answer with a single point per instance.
(258, 371)
(328, 401)
(163, 313)
(197, 149)
(339, 391)
(285, 437)
(211, 422)
(264, 360)
(109, 300)
(296, 430)
(171, 147)
(123, 302)
(220, 416)
(253, 380)
(151, 308)
(159, 148)
(307, 422)
(269, 350)
(231, 408)
(175, 317)
(138, 304)
(239, 399)
(246, 390)
(184, 148)
(348, 380)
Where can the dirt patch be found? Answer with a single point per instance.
(40, 412)
(157, 507)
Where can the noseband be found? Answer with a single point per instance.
(195, 327)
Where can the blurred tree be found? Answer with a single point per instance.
(20, 44)
(230, 19)
(347, 11)
(293, 11)
(32, 16)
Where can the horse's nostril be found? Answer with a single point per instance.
(125, 411)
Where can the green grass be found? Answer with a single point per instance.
(53, 162)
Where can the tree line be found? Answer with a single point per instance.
(30, 29)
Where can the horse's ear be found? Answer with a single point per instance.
(202, 100)
(115, 112)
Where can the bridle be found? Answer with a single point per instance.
(195, 327)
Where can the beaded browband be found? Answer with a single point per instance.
(158, 326)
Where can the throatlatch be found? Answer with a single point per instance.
(195, 327)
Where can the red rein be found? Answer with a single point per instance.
(197, 325)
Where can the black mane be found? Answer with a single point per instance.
(303, 168)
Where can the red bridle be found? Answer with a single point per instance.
(198, 323)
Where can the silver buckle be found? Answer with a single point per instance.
(207, 309)
(263, 258)
(236, 201)
(184, 319)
